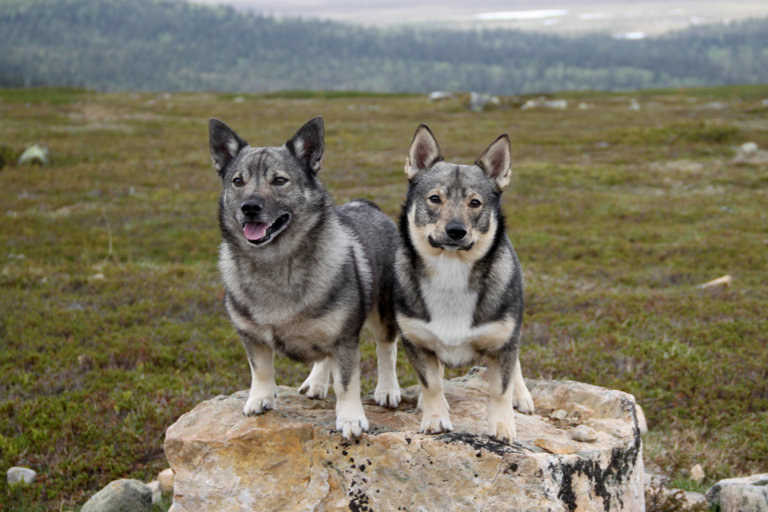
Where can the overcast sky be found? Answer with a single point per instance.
(643, 16)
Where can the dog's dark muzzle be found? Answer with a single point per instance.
(455, 231)
(259, 227)
(454, 238)
(251, 207)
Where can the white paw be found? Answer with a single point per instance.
(351, 427)
(501, 421)
(523, 400)
(389, 398)
(259, 404)
(434, 424)
(314, 390)
(503, 431)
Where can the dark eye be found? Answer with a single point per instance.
(279, 181)
(434, 199)
(238, 181)
(475, 204)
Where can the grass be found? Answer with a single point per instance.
(111, 316)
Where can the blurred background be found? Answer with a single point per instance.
(492, 46)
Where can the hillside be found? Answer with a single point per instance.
(112, 321)
(152, 45)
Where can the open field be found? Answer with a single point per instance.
(111, 315)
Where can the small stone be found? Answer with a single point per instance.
(556, 104)
(694, 498)
(697, 473)
(121, 496)
(157, 495)
(559, 414)
(584, 434)
(165, 478)
(479, 101)
(18, 475)
(720, 281)
(748, 148)
(441, 96)
(556, 447)
(37, 155)
(642, 424)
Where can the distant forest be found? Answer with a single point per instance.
(154, 45)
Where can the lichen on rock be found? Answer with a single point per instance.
(292, 459)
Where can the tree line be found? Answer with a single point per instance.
(152, 45)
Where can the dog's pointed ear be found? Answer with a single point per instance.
(496, 160)
(423, 153)
(308, 143)
(225, 144)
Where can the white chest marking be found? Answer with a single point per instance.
(450, 302)
(451, 305)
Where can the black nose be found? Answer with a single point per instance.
(456, 230)
(251, 207)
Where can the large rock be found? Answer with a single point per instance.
(747, 494)
(291, 459)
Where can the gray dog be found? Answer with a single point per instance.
(303, 276)
(459, 286)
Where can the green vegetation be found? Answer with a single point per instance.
(159, 45)
(111, 316)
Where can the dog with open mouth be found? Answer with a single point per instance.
(459, 285)
(303, 276)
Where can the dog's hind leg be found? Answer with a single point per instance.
(316, 384)
(263, 393)
(387, 393)
(501, 384)
(350, 415)
(435, 418)
(521, 397)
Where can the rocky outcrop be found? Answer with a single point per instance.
(747, 494)
(581, 451)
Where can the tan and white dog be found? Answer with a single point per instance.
(459, 285)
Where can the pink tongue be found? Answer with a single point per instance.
(255, 230)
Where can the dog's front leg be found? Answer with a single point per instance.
(316, 385)
(435, 418)
(350, 416)
(263, 394)
(501, 384)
